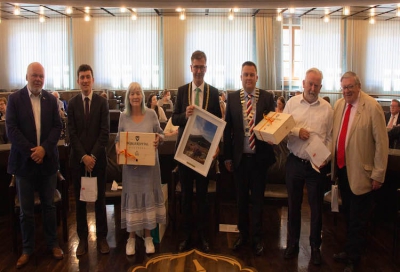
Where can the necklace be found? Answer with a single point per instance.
(190, 94)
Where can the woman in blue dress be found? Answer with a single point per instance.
(142, 201)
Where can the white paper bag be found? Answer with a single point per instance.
(88, 189)
(335, 198)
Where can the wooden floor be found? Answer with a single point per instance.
(377, 257)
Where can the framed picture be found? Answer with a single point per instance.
(200, 140)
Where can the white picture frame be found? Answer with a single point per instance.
(200, 140)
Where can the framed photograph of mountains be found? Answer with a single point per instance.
(200, 140)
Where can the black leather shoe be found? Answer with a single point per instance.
(349, 267)
(205, 246)
(341, 257)
(185, 245)
(258, 248)
(291, 251)
(82, 247)
(315, 256)
(239, 242)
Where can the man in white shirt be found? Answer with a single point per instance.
(314, 120)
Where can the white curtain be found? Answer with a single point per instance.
(226, 43)
(373, 53)
(321, 47)
(119, 50)
(26, 41)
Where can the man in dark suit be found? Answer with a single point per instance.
(393, 124)
(247, 157)
(205, 96)
(34, 127)
(88, 127)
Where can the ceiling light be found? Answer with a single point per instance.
(87, 9)
(68, 10)
(122, 9)
(87, 17)
(279, 17)
(326, 18)
(133, 10)
(326, 11)
(134, 16)
(41, 10)
(372, 11)
(292, 10)
(179, 9)
(42, 19)
(398, 12)
(230, 15)
(372, 20)
(236, 9)
(279, 10)
(182, 15)
(17, 10)
(346, 10)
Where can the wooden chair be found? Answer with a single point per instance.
(213, 190)
(60, 201)
(396, 227)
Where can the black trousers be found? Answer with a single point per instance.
(357, 210)
(299, 173)
(187, 177)
(100, 204)
(250, 177)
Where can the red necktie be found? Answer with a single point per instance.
(340, 156)
(87, 112)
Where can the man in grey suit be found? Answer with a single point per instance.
(205, 96)
(89, 127)
(359, 160)
(248, 159)
(34, 127)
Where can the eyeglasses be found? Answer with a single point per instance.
(202, 68)
(348, 87)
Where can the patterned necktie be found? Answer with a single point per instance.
(249, 107)
(197, 98)
(340, 157)
(390, 124)
(87, 109)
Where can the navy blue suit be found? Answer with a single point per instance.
(31, 176)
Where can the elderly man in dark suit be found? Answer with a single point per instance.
(89, 127)
(205, 96)
(34, 127)
(392, 118)
(361, 153)
(247, 157)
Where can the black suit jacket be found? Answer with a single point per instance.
(179, 113)
(21, 130)
(387, 119)
(88, 138)
(234, 130)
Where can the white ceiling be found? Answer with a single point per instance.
(384, 10)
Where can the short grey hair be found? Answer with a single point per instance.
(350, 74)
(316, 71)
(128, 107)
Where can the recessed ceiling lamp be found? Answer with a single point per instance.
(372, 20)
(87, 9)
(326, 18)
(372, 11)
(326, 11)
(236, 9)
(17, 10)
(182, 15)
(230, 15)
(68, 10)
(179, 9)
(41, 10)
(346, 10)
(134, 15)
(42, 19)
(123, 9)
(87, 17)
(292, 10)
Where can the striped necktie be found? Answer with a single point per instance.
(249, 107)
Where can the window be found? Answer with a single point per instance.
(291, 56)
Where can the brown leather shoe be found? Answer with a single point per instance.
(82, 247)
(23, 260)
(102, 245)
(58, 254)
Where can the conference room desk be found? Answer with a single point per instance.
(6, 178)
